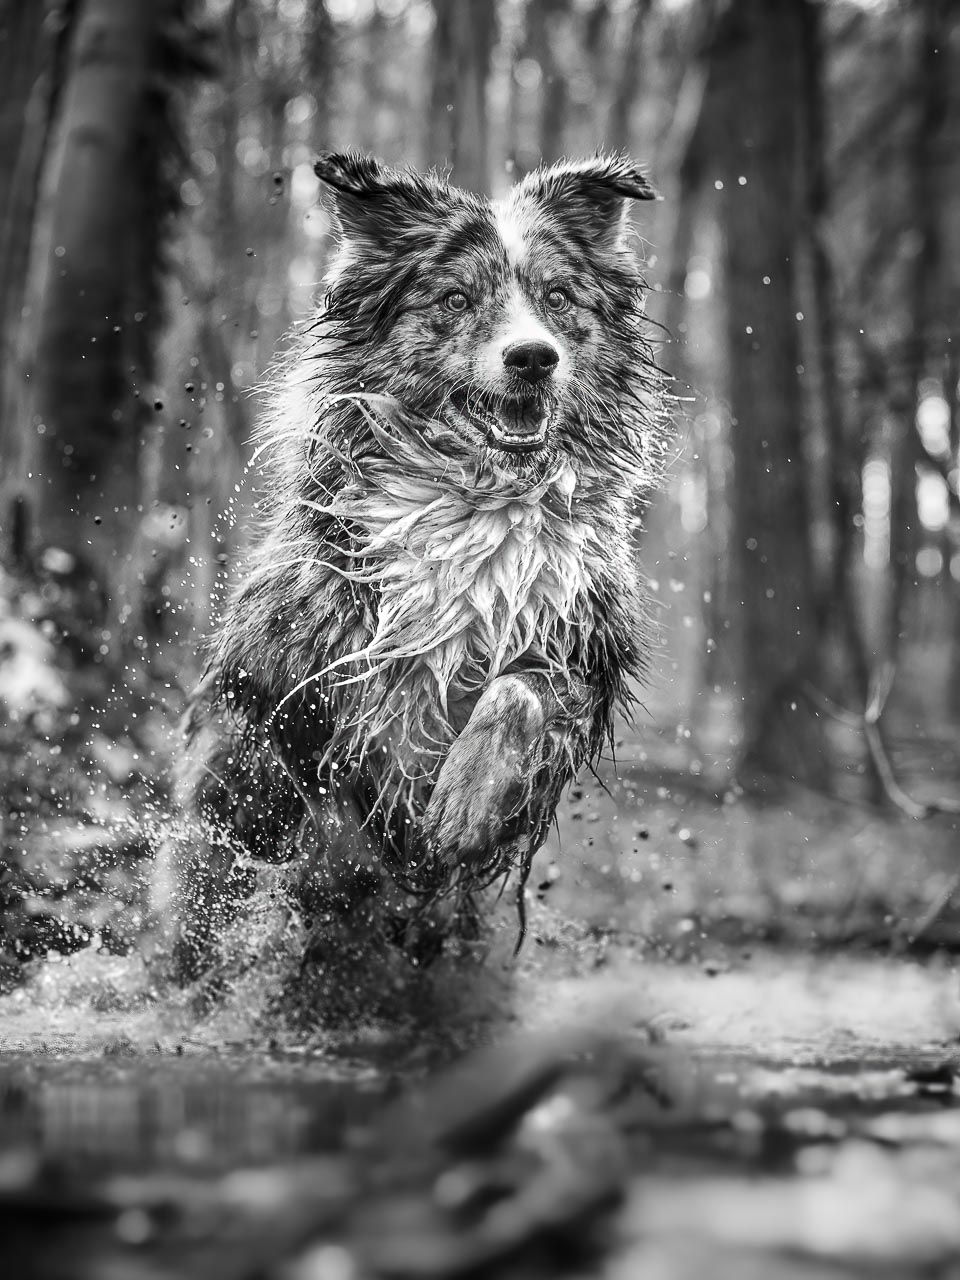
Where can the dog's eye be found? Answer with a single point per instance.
(456, 301)
(557, 299)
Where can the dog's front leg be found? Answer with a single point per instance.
(501, 780)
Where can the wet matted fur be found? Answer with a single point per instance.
(440, 611)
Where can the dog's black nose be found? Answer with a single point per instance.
(533, 361)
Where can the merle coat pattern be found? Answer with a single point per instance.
(440, 611)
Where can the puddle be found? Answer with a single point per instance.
(777, 1116)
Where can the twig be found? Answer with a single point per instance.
(891, 788)
(833, 709)
(908, 936)
(880, 685)
(868, 723)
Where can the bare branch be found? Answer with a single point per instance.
(868, 724)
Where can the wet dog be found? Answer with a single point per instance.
(440, 611)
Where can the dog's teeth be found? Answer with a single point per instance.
(493, 425)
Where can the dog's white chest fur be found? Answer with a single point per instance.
(470, 580)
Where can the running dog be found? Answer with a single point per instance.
(440, 611)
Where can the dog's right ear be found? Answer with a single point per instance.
(371, 199)
(351, 173)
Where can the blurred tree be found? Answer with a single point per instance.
(319, 57)
(837, 457)
(891, 177)
(619, 134)
(548, 40)
(953, 552)
(775, 634)
(110, 188)
(463, 39)
(925, 286)
(31, 46)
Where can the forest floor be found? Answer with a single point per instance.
(730, 1046)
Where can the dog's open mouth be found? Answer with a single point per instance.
(519, 426)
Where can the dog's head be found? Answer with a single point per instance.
(514, 323)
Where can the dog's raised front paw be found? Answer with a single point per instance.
(481, 799)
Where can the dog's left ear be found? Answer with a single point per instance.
(371, 199)
(591, 195)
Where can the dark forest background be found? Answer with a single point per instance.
(160, 232)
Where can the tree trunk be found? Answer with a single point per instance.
(922, 283)
(542, 42)
(86, 255)
(776, 634)
(463, 40)
(29, 42)
(619, 134)
(952, 576)
(841, 454)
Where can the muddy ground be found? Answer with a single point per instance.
(762, 1113)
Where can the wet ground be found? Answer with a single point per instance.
(654, 1090)
(754, 1115)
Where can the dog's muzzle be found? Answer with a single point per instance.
(515, 424)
